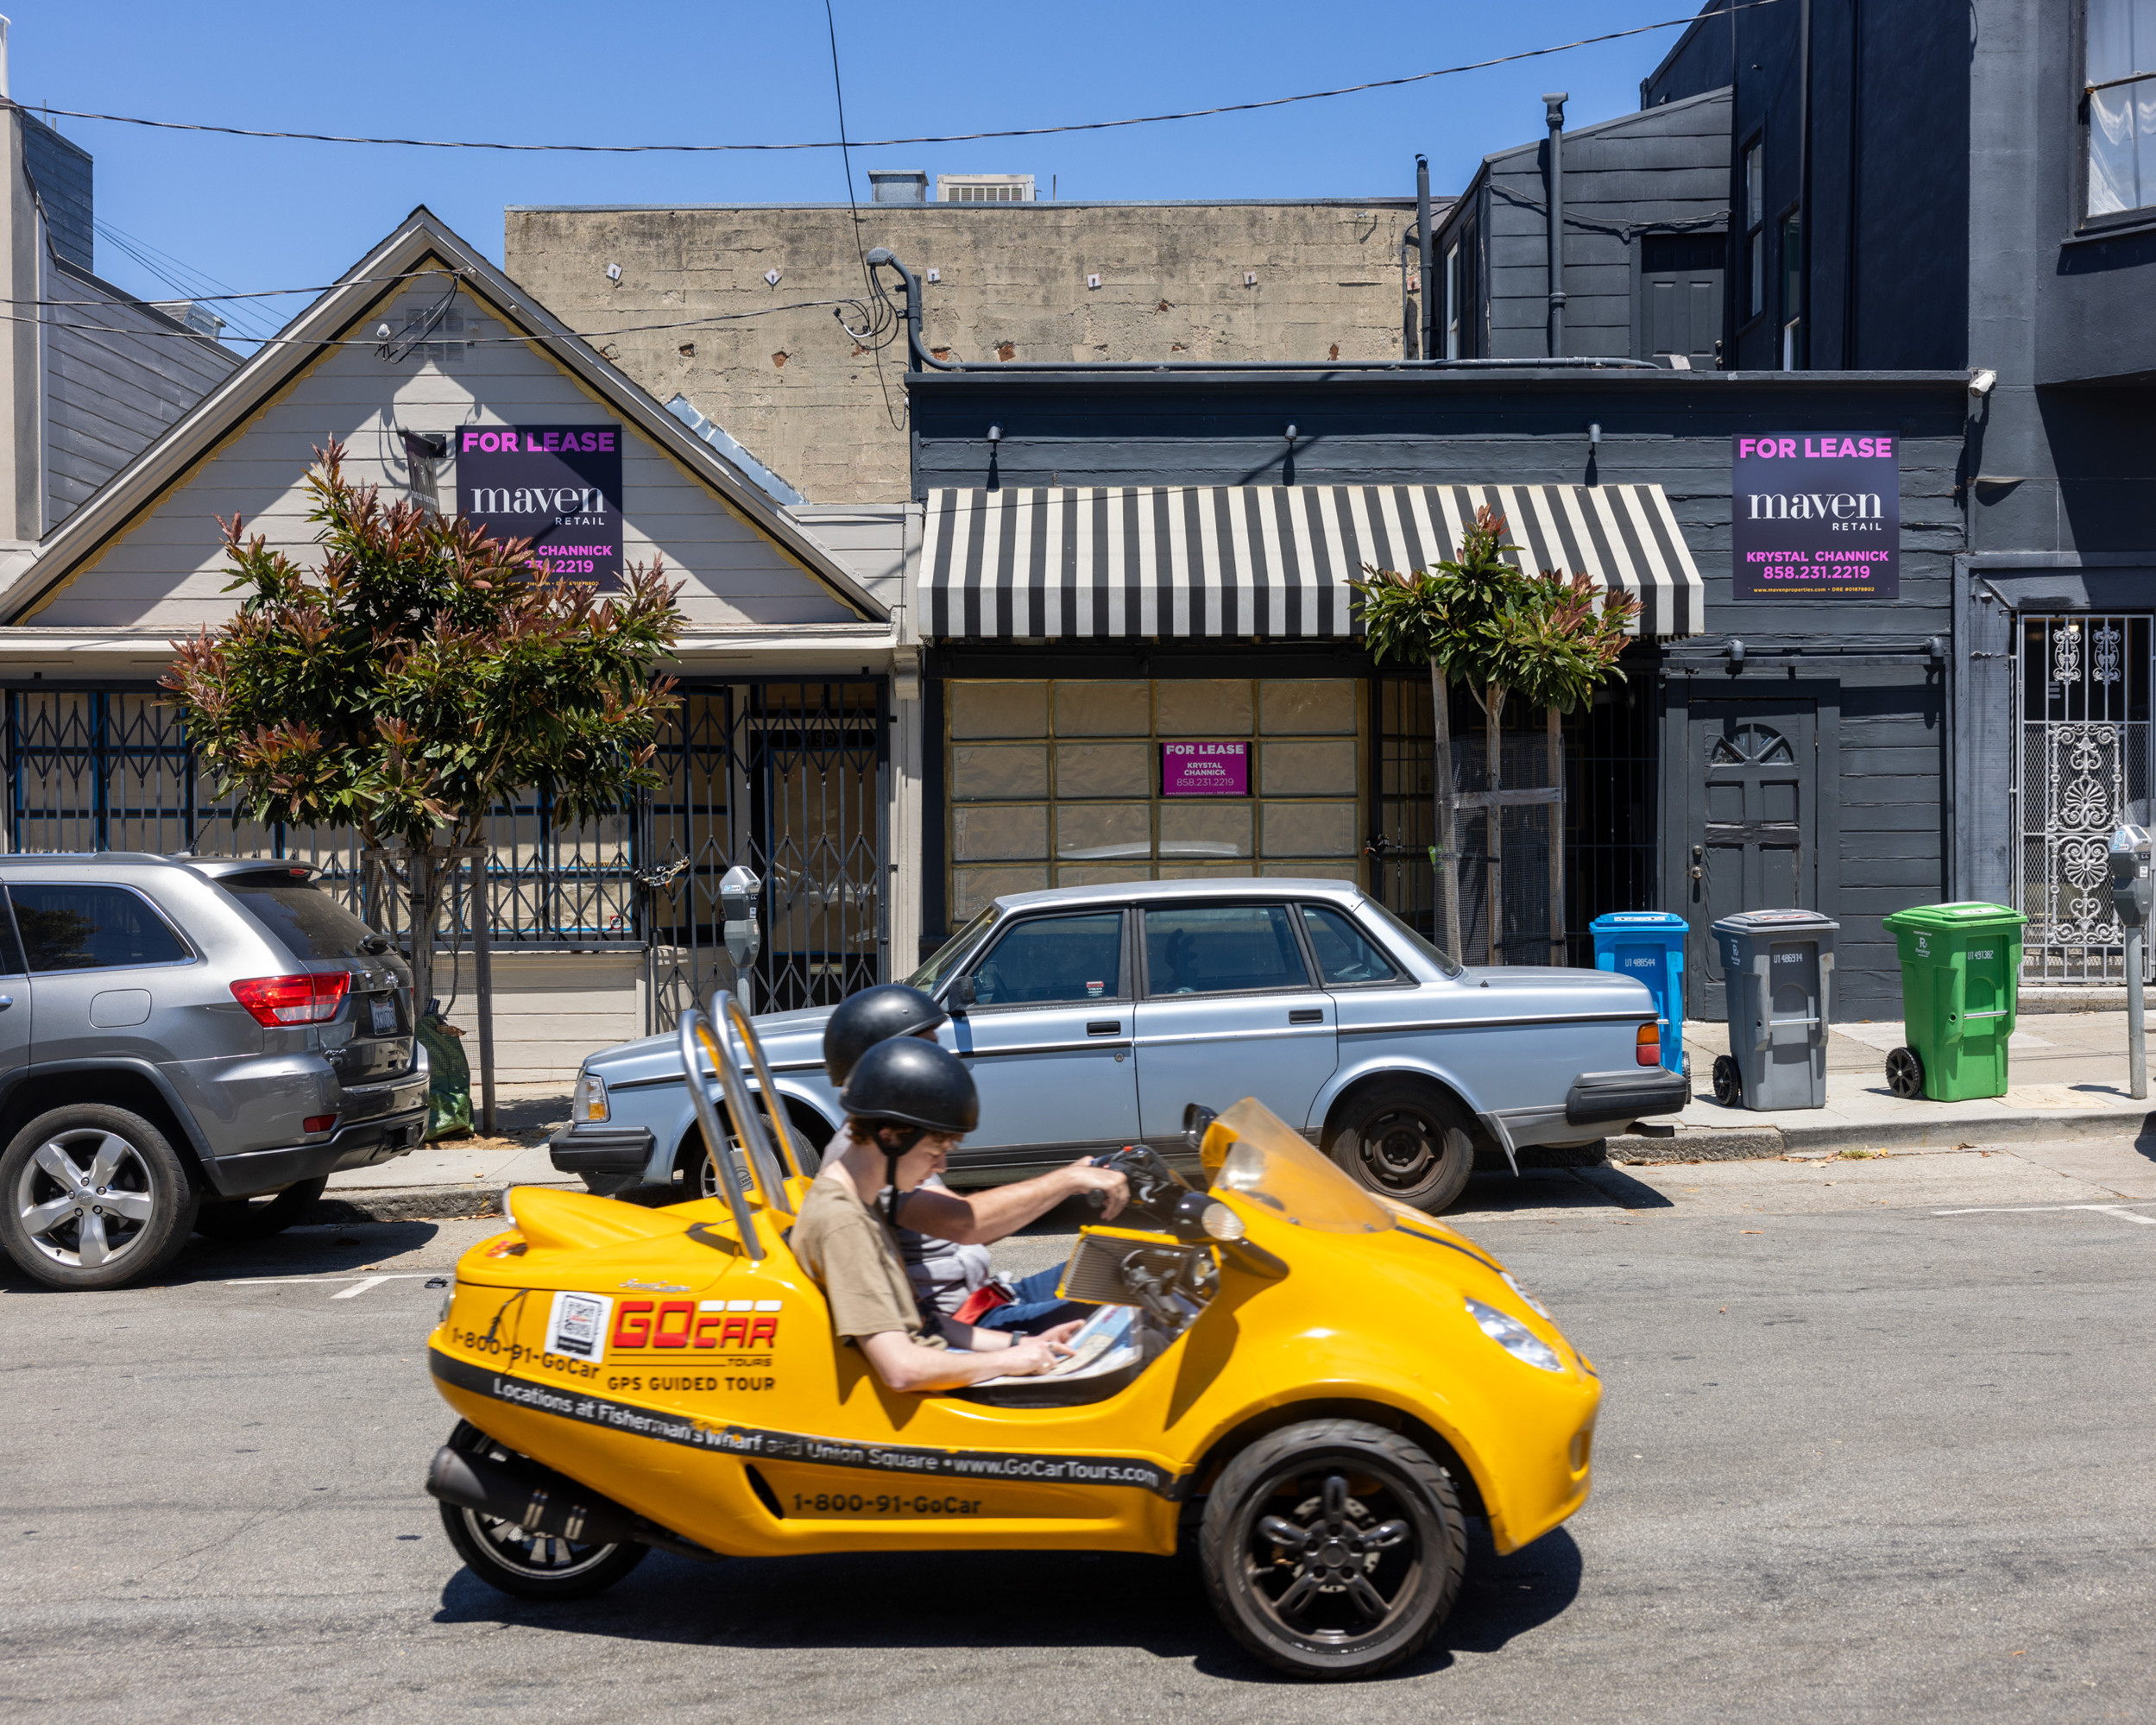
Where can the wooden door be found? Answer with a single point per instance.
(1754, 782)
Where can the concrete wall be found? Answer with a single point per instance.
(831, 417)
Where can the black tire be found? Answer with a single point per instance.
(1407, 1141)
(1333, 1548)
(55, 1211)
(257, 1218)
(506, 1557)
(1729, 1081)
(1904, 1073)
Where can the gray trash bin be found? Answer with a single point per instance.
(1778, 968)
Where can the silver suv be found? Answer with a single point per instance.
(186, 1044)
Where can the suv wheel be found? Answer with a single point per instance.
(1403, 1140)
(257, 1218)
(92, 1196)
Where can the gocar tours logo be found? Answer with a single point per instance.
(1816, 516)
(558, 485)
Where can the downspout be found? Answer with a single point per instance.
(1802, 359)
(1422, 245)
(1553, 112)
(1856, 156)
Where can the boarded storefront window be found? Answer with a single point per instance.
(1059, 782)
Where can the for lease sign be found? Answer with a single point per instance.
(1205, 769)
(558, 485)
(1816, 516)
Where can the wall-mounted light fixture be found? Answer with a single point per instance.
(1290, 434)
(1594, 435)
(1736, 651)
(995, 434)
(772, 277)
(1982, 382)
(935, 275)
(613, 272)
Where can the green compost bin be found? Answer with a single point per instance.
(1961, 965)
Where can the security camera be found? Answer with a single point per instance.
(1980, 382)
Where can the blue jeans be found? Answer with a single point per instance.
(1035, 1307)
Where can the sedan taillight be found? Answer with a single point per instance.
(1647, 1045)
(312, 998)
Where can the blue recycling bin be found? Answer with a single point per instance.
(1650, 945)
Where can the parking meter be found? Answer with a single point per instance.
(737, 888)
(2133, 889)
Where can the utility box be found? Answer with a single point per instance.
(1648, 945)
(1961, 969)
(1778, 967)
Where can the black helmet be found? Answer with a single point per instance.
(873, 1015)
(915, 1083)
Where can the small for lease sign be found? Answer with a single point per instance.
(1205, 769)
(1815, 515)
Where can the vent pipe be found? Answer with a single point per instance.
(1553, 112)
(1422, 246)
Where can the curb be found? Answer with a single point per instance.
(416, 1204)
(1699, 1145)
(1740, 1143)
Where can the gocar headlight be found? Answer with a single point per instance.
(1515, 1337)
(588, 1105)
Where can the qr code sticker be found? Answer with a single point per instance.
(577, 1326)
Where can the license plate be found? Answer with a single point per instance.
(384, 1009)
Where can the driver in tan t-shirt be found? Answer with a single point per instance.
(907, 1103)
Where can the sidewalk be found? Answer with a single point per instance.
(2069, 1080)
(461, 1176)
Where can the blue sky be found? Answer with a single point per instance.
(261, 214)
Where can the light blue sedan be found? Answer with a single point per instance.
(1090, 1015)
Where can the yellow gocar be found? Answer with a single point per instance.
(1314, 1386)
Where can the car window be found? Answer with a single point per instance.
(1345, 954)
(311, 923)
(1420, 942)
(947, 956)
(10, 946)
(1221, 948)
(1050, 958)
(90, 927)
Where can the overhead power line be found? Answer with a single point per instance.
(892, 143)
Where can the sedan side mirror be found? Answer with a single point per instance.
(1196, 1117)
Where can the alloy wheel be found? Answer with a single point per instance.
(85, 1197)
(1335, 1561)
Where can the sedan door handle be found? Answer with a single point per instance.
(1307, 1015)
(6, 1001)
(1105, 1027)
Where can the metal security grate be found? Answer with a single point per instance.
(2082, 688)
(788, 778)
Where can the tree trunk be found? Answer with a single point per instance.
(422, 870)
(1441, 779)
(1492, 715)
(1556, 733)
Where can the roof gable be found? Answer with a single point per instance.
(144, 552)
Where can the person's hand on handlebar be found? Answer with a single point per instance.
(1108, 1189)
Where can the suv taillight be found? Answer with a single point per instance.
(312, 998)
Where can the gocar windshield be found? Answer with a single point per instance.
(947, 954)
(1421, 943)
(1271, 1163)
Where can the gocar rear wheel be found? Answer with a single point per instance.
(1333, 1548)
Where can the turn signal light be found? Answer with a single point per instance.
(1649, 1048)
(312, 998)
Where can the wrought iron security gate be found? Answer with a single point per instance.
(788, 778)
(2080, 725)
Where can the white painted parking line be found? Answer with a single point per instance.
(366, 1282)
(2117, 1210)
(353, 1292)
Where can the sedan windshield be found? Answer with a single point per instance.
(947, 955)
(1421, 943)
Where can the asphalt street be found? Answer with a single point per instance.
(1877, 1442)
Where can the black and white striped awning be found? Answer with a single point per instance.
(1270, 560)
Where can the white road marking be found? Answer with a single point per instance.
(368, 1281)
(2117, 1210)
(354, 1292)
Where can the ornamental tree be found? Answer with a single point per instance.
(420, 675)
(1481, 619)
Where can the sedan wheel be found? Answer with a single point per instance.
(94, 1197)
(1334, 1549)
(1404, 1141)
